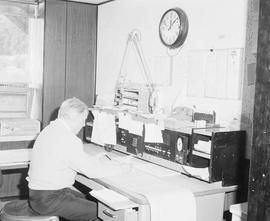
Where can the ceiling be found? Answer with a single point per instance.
(96, 2)
(25, 1)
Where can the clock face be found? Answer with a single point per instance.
(173, 28)
(170, 27)
(179, 144)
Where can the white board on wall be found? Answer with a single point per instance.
(217, 73)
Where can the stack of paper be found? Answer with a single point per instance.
(202, 173)
(167, 201)
(203, 146)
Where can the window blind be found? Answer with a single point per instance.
(22, 8)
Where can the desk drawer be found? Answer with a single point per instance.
(107, 214)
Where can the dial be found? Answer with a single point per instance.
(179, 144)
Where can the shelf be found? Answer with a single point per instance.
(15, 165)
(131, 90)
(132, 98)
(130, 105)
(201, 154)
(17, 138)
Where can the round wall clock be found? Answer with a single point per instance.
(173, 28)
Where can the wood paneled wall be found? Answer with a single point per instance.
(69, 54)
(259, 179)
(54, 58)
(81, 51)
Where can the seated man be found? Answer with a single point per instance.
(56, 158)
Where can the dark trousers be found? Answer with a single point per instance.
(65, 203)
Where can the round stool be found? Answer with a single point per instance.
(19, 210)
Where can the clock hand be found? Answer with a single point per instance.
(174, 21)
(170, 26)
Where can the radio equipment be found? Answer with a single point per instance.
(174, 147)
(122, 136)
(221, 151)
(135, 144)
(134, 96)
(88, 131)
(88, 127)
(182, 141)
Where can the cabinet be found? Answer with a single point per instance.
(108, 214)
(221, 151)
(69, 54)
(14, 182)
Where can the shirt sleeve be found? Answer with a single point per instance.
(94, 166)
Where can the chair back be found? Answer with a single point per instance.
(210, 118)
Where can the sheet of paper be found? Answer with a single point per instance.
(135, 127)
(234, 73)
(182, 205)
(104, 128)
(158, 194)
(195, 73)
(153, 133)
(202, 173)
(124, 120)
(215, 73)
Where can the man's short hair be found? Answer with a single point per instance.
(71, 108)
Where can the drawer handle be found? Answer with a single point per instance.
(107, 213)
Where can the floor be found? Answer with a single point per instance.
(2, 204)
(227, 214)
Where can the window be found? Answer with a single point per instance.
(21, 47)
(14, 48)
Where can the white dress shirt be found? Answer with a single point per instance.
(58, 155)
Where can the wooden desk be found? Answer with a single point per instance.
(14, 172)
(17, 138)
(211, 199)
